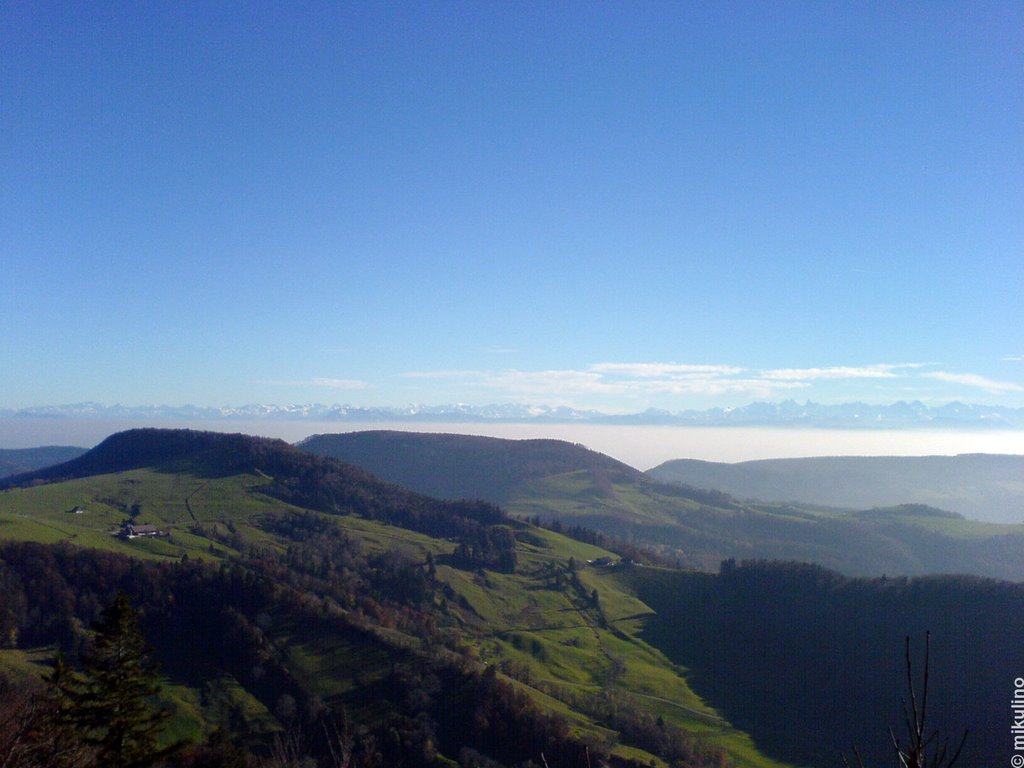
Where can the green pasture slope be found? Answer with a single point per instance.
(556, 480)
(551, 639)
(178, 503)
(702, 528)
(45, 514)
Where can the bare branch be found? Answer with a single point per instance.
(927, 666)
(915, 755)
(959, 749)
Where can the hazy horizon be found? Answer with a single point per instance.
(642, 447)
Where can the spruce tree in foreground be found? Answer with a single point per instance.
(110, 705)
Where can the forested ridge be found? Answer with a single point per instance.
(461, 466)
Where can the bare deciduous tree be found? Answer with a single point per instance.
(923, 749)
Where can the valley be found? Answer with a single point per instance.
(696, 526)
(985, 487)
(287, 590)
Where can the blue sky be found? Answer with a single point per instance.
(604, 205)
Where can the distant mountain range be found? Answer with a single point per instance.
(790, 413)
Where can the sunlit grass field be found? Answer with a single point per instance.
(550, 636)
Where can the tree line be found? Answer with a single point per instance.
(811, 662)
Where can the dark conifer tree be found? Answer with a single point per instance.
(110, 706)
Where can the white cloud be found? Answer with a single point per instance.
(442, 374)
(974, 380)
(635, 381)
(1014, 359)
(322, 382)
(837, 372)
(710, 386)
(640, 384)
(551, 382)
(340, 383)
(664, 369)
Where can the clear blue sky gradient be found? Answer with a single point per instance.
(607, 205)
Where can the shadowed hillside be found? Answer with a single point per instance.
(461, 466)
(794, 654)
